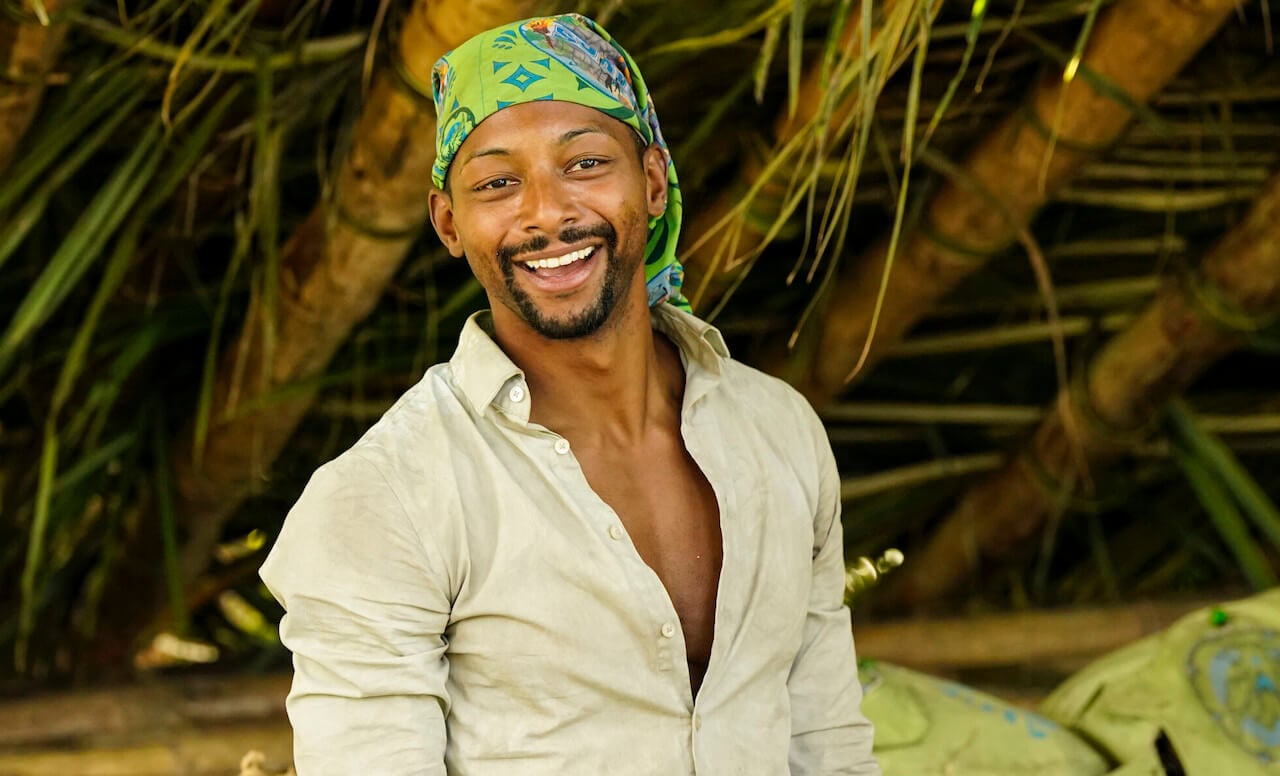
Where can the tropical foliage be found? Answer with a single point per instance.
(176, 186)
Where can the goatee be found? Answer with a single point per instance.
(585, 322)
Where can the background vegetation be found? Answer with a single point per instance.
(174, 190)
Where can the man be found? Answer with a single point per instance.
(591, 543)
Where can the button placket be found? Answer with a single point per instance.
(711, 459)
(668, 654)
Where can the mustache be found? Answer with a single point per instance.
(571, 234)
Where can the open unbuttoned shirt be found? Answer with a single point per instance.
(460, 601)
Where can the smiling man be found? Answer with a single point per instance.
(591, 543)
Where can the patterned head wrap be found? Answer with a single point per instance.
(568, 58)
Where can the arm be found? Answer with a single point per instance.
(366, 604)
(829, 734)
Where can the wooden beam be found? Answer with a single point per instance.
(201, 752)
(1028, 638)
(126, 714)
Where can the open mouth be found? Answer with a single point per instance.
(550, 265)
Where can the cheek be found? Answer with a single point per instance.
(477, 234)
(621, 205)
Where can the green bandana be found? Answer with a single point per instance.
(568, 58)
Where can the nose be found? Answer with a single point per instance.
(547, 205)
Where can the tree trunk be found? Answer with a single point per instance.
(707, 270)
(1136, 45)
(28, 51)
(333, 272)
(1188, 326)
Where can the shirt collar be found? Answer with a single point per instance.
(481, 370)
(700, 343)
(479, 366)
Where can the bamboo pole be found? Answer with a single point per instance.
(918, 474)
(1070, 636)
(333, 271)
(1015, 415)
(1189, 325)
(1136, 45)
(28, 51)
(1004, 336)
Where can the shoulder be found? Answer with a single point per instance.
(743, 376)
(422, 419)
(413, 449)
(771, 401)
(771, 429)
(390, 488)
(795, 427)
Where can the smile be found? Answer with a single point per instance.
(560, 261)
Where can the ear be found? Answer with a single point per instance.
(655, 177)
(441, 205)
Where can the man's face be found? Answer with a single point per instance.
(550, 202)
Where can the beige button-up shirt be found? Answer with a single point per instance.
(459, 600)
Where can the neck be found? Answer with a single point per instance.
(609, 386)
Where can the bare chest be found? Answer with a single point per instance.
(669, 510)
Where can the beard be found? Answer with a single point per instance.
(617, 275)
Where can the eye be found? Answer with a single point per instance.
(589, 163)
(495, 184)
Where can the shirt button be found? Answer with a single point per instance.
(516, 394)
(697, 722)
(615, 532)
(668, 630)
(562, 446)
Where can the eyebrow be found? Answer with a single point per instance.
(565, 138)
(571, 134)
(485, 152)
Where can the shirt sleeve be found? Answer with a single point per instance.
(829, 734)
(366, 605)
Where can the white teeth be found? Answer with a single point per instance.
(560, 261)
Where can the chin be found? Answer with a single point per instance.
(569, 325)
(584, 311)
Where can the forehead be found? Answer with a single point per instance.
(539, 123)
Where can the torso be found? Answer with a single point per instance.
(669, 510)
